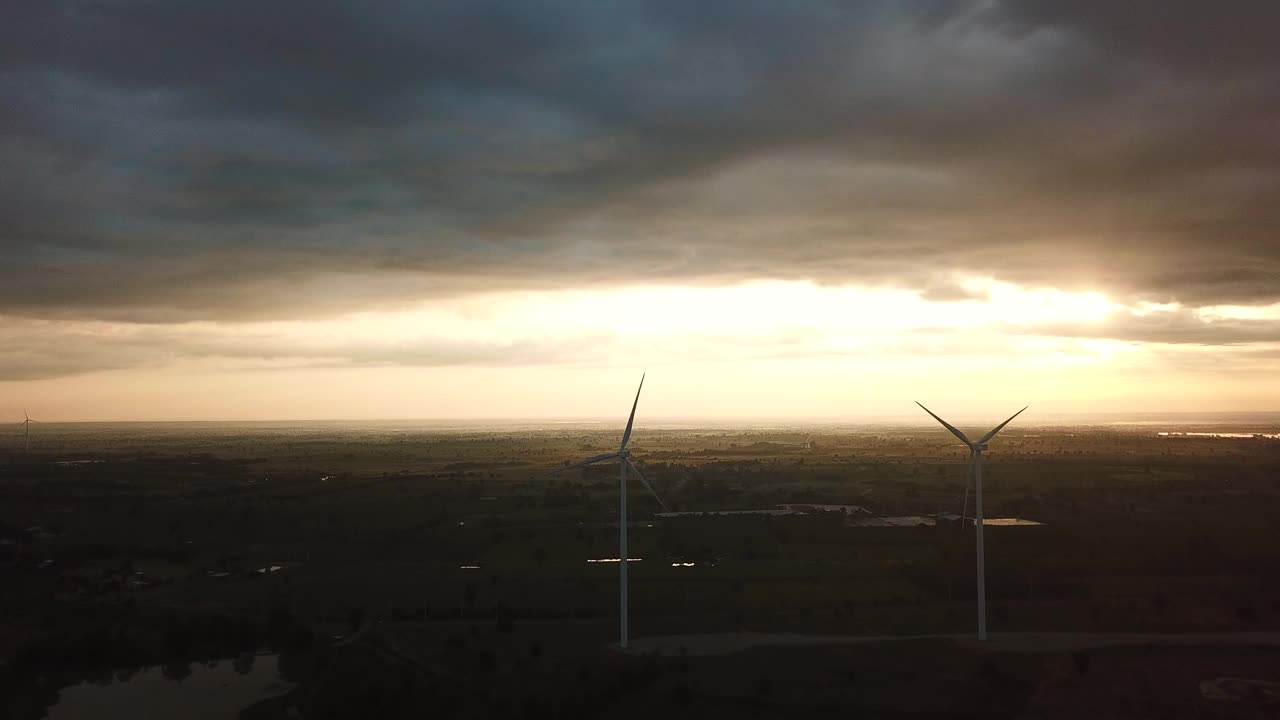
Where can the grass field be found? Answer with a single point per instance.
(437, 529)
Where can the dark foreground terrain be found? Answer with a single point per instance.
(412, 571)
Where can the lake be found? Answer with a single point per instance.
(217, 691)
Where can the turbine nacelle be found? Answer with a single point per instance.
(981, 443)
(622, 455)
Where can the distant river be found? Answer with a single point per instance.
(1271, 436)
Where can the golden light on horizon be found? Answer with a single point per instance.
(743, 310)
(490, 354)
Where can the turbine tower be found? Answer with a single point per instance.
(975, 459)
(624, 462)
(26, 425)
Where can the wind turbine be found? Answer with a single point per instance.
(26, 425)
(624, 462)
(975, 457)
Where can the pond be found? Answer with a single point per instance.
(217, 690)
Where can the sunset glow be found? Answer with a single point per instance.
(713, 348)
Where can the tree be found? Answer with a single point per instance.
(177, 670)
(764, 686)
(1082, 663)
(504, 620)
(355, 618)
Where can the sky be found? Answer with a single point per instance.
(321, 209)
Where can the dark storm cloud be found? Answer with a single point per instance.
(1238, 35)
(174, 160)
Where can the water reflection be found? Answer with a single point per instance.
(199, 691)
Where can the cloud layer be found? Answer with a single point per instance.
(173, 161)
(208, 159)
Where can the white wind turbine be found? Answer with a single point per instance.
(26, 425)
(625, 463)
(975, 455)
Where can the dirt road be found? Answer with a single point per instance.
(1029, 642)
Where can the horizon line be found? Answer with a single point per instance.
(865, 418)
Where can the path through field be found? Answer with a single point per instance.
(1030, 642)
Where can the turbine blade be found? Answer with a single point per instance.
(947, 425)
(646, 484)
(626, 435)
(1000, 427)
(588, 461)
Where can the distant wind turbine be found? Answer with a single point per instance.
(624, 461)
(26, 425)
(975, 455)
